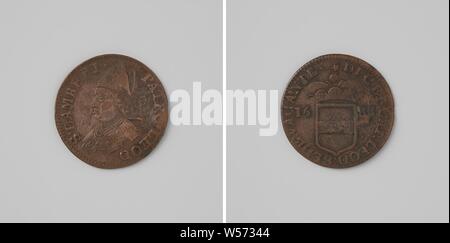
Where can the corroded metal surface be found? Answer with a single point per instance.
(337, 111)
(111, 111)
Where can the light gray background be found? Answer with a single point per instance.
(407, 41)
(40, 43)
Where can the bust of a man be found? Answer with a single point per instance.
(110, 128)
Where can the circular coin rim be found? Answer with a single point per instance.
(373, 70)
(82, 156)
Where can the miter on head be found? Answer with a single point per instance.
(115, 79)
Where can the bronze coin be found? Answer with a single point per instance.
(111, 111)
(337, 111)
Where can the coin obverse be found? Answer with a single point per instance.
(337, 111)
(111, 111)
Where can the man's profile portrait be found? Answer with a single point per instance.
(109, 126)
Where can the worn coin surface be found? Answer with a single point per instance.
(111, 111)
(337, 111)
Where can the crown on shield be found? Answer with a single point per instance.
(338, 92)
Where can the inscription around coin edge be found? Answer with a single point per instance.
(64, 117)
(305, 76)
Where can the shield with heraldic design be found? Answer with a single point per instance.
(350, 111)
(335, 127)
